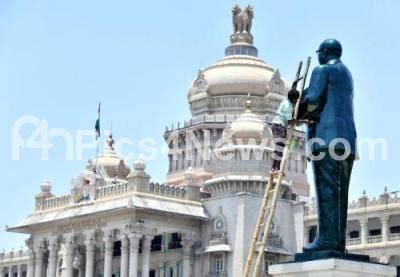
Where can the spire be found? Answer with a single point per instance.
(242, 39)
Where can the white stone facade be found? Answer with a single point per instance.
(199, 222)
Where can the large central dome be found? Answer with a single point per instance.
(223, 87)
(237, 75)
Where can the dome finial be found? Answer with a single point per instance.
(110, 142)
(242, 39)
(242, 21)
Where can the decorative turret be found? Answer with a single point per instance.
(363, 200)
(384, 198)
(45, 193)
(139, 180)
(191, 185)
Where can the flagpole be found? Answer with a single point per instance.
(97, 129)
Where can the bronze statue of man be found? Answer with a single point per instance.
(328, 104)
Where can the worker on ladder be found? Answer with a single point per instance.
(283, 118)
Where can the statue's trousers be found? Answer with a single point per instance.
(332, 178)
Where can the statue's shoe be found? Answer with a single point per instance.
(320, 246)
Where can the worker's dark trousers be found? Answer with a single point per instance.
(332, 178)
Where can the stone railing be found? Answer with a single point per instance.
(363, 202)
(366, 202)
(394, 236)
(12, 256)
(374, 239)
(211, 274)
(65, 200)
(353, 241)
(168, 190)
(56, 201)
(216, 118)
(111, 190)
(218, 241)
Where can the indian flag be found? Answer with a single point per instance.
(97, 125)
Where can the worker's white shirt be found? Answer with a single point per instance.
(284, 113)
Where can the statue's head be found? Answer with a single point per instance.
(236, 9)
(250, 9)
(329, 49)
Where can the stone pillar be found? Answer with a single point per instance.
(364, 230)
(161, 270)
(175, 267)
(19, 270)
(385, 228)
(124, 256)
(90, 245)
(306, 235)
(69, 247)
(10, 271)
(108, 252)
(58, 273)
(187, 253)
(134, 240)
(31, 264)
(39, 261)
(53, 255)
(146, 248)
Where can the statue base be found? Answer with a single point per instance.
(331, 267)
(326, 254)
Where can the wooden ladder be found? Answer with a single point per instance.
(260, 240)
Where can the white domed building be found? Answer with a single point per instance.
(199, 222)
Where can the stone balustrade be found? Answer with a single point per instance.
(211, 119)
(211, 274)
(353, 241)
(6, 257)
(218, 241)
(56, 201)
(393, 237)
(168, 190)
(374, 239)
(216, 118)
(363, 202)
(111, 190)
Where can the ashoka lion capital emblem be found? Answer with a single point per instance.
(242, 21)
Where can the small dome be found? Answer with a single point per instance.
(45, 187)
(139, 165)
(113, 164)
(248, 128)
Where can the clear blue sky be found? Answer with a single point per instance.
(59, 58)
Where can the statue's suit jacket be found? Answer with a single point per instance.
(329, 102)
